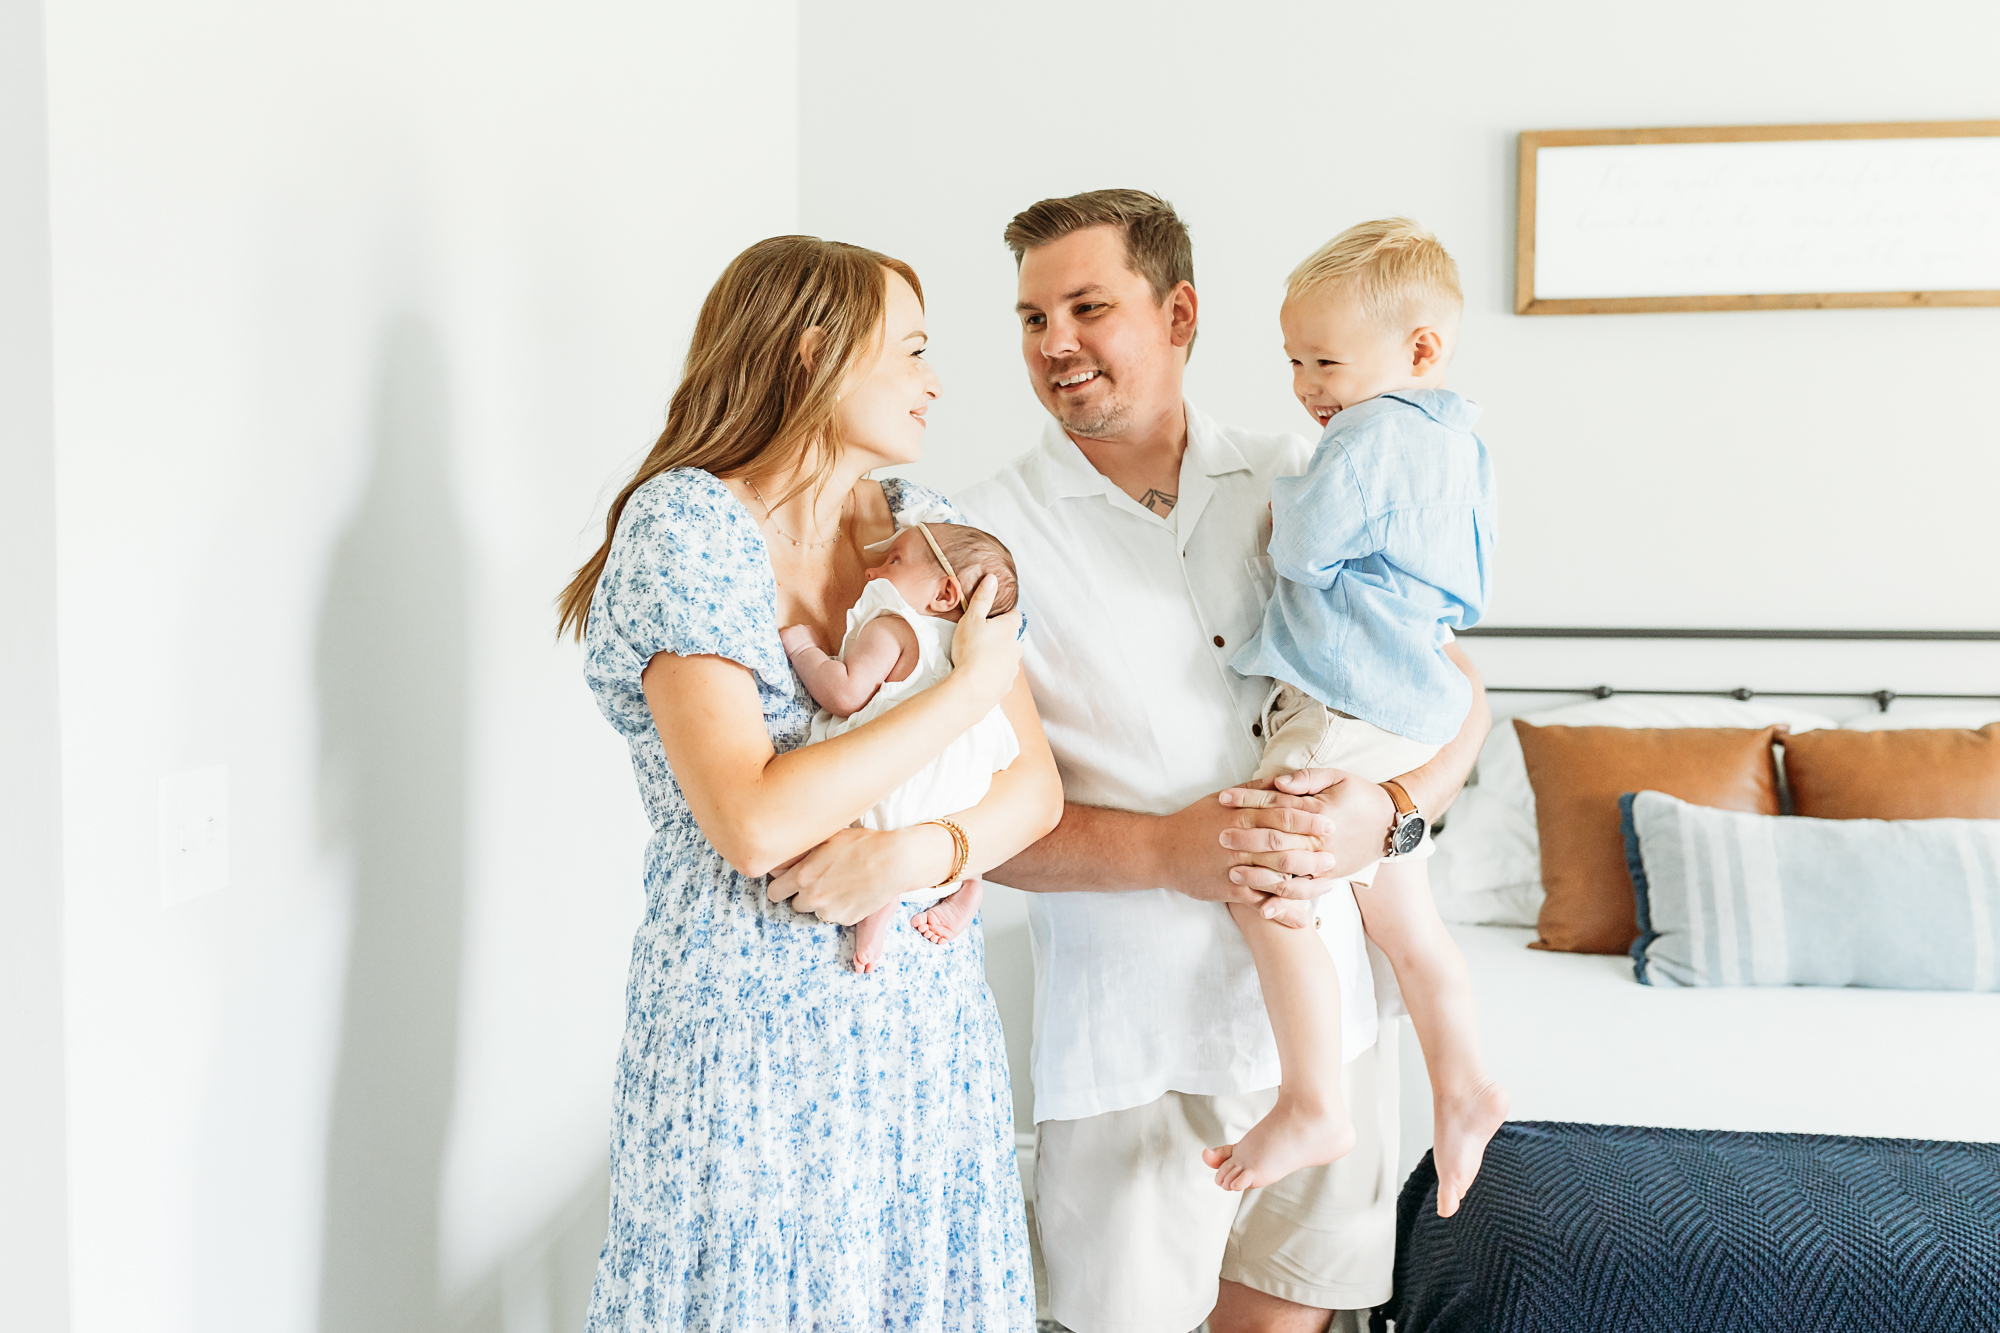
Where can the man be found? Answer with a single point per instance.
(1138, 528)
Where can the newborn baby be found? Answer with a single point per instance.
(898, 642)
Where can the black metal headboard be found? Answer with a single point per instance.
(1882, 698)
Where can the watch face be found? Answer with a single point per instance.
(1409, 833)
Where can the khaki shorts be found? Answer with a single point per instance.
(1135, 1233)
(1301, 732)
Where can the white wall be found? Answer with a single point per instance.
(1761, 468)
(34, 1276)
(1795, 468)
(359, 309)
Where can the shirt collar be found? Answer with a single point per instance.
(1066, 473)
(1440, 405)
(1214, 452)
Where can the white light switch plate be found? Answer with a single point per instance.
(194, 834)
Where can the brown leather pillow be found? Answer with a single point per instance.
(1944, 774)
(1579, 773)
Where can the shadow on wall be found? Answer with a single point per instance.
(392, 662)
(544, 1285)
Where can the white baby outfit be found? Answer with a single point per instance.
(958, 778)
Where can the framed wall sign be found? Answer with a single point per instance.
(1759, 217)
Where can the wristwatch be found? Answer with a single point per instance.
(1406, 831)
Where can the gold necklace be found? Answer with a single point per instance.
(770, 516)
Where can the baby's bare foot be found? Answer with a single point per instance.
(1289, 1138)
(1465, 1124)
(871, 940)
(946, 919)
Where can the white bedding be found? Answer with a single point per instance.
(1574, 1037)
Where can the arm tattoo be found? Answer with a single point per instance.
(1159, 501)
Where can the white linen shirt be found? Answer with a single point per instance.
(1131, 622)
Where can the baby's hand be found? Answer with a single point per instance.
(795, 637)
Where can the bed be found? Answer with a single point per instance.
(1574, 1038)
(1741, 1157)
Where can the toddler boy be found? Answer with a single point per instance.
(1382, 548)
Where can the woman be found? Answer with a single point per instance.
(796, 1145)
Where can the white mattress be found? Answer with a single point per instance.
(1574, 1037)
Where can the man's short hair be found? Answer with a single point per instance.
(966, 547)
(1397, 271)
(1157, 247)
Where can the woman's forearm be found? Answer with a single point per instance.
(760, 808)
(856, 872)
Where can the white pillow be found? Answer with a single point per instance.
(1488, 867)
(1935, 713)
(1487, 870)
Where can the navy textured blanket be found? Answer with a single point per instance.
(1609, 1228)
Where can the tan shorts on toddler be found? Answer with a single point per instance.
(1301, 732)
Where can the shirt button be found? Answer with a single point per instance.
(1256, 728)
(1218, 640)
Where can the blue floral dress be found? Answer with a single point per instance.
(794, 1145)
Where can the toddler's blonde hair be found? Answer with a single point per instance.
(1397, 271)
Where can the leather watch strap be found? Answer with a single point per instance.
(1404, 805)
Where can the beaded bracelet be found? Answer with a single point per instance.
(960, 844)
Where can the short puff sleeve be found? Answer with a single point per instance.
(687, 574)
(913, 504)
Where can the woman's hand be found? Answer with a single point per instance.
(859, 870)
(986, 654)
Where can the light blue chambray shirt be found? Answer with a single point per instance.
(1384, 545)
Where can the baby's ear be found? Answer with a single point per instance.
(959, 589)
(948, 596)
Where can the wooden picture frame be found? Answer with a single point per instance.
(1533, 141)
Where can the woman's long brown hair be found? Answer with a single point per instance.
(748, 401)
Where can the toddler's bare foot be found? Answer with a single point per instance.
(1289, 1138)
(1465, 1124)
(946, 919)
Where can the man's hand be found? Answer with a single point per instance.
(1358, 811)
(1222, 849)
(1295, 838)
(1293, 913)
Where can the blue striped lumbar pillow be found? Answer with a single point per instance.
(1729, 899)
